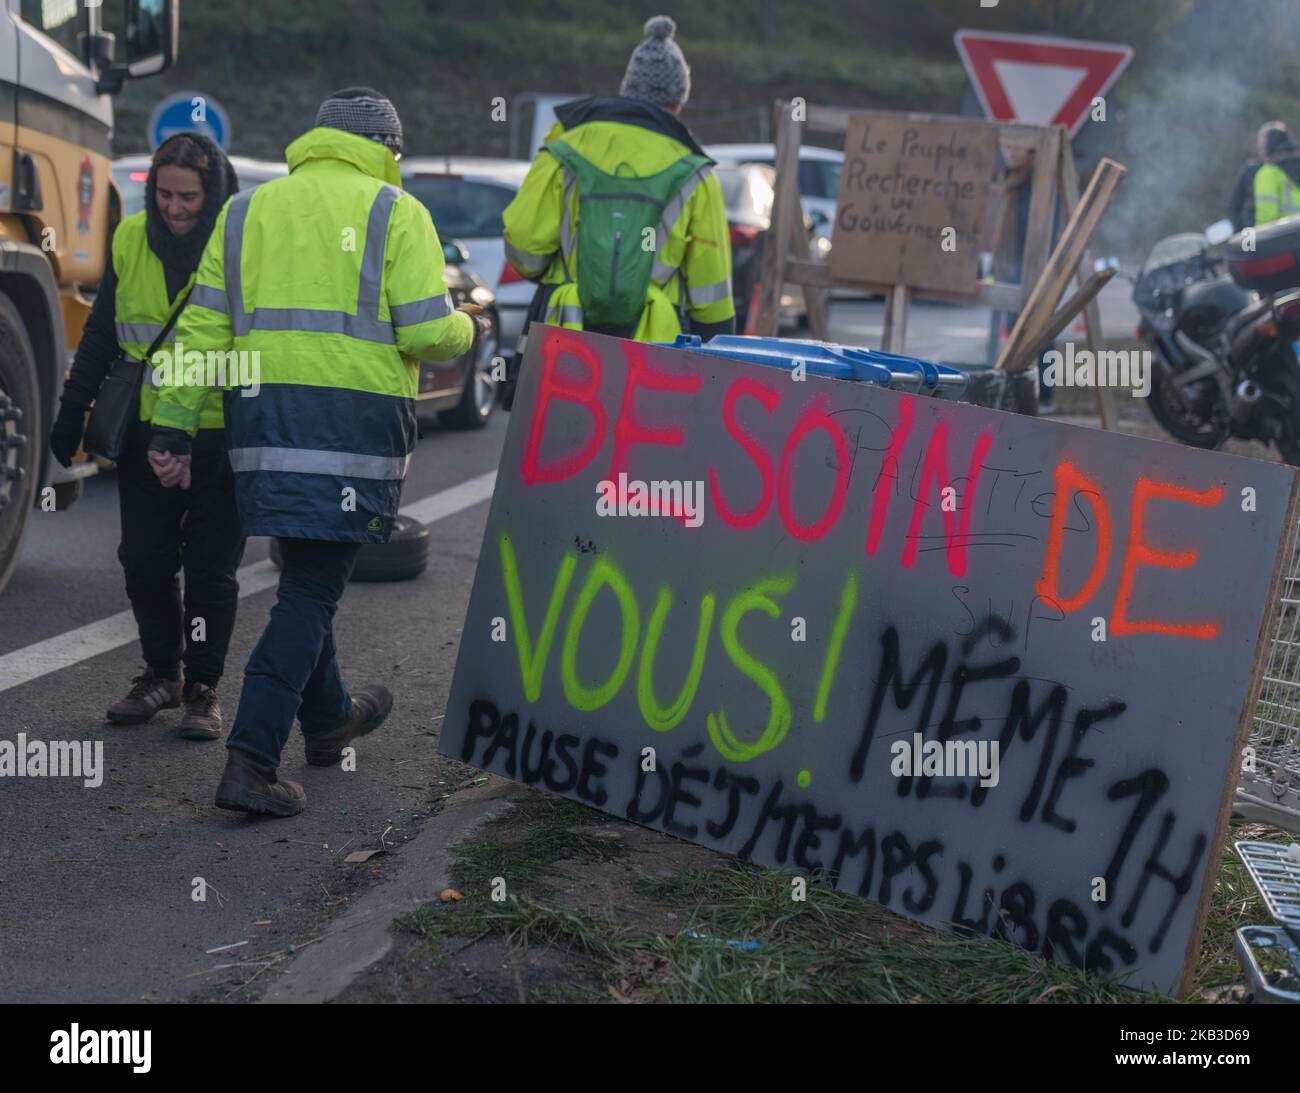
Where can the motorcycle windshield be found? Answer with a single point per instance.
(1174, 248)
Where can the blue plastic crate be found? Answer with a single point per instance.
(839, 362)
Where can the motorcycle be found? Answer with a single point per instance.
(1224, 353)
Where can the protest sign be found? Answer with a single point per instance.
(985, 669)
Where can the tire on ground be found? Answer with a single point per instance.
(404, 556)
(21, 414)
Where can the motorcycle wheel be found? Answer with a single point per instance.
(1289, 445)
(1195, 429)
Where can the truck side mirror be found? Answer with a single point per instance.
(150, 31)
(454, 253)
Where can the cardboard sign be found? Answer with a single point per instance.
(911, 203)
(984, 669)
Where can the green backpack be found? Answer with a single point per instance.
(614, 263)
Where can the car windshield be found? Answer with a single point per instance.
(747, 191)
(819, 178)
(461, 208)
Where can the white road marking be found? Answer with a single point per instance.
(64, 650)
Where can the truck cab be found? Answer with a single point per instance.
(61, 61)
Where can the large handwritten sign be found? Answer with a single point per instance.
(984, 669)
(911, 202)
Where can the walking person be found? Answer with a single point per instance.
(155, 254)
(620, 219)
(333, 276)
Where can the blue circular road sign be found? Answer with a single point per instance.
(188, 112)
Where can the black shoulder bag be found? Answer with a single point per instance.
(117, 404)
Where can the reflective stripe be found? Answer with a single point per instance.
(138, 332)
(233, 252)
(372, 259)
(566, 225)
(532, 265)
(312, 461)
(566, 313)
(662, 271)
(423, 311)
(699, 295)
(364, 324)
(305, 320)
(214, 299)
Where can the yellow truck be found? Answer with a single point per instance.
(61, 61)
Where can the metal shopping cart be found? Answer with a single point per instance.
(1268, 790)
(1270, 955)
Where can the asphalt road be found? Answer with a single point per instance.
(96, 884)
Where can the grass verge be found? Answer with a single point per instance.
(739, 936)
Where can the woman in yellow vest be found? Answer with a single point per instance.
(155, 254)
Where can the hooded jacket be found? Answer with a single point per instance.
(328, 285)
(179, 258)
(543, 229)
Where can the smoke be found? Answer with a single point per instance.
(1189, 114)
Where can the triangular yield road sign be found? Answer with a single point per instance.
(1036, 80)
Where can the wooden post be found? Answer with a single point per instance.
(897, 303)
(1092, 310)
(1042, 210)
(1064, 262)
(1065, 314)
(814, 298)
(785, 213)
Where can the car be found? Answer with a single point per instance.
(749, 191)
(466, 196)
(819, 176)
(464, 391)
(130, 173)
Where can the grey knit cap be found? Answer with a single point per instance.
(365, 112)
(657, 72)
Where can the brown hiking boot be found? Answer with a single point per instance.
(202, 720)
(149, 693)
(370, 706)
(249, 786)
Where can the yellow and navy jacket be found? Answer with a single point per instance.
(333, 276)
(692, 268)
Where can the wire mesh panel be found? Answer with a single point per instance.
(1269, 788)
(1275, 869)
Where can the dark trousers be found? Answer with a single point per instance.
(167, 530)
(293, 671)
